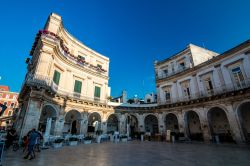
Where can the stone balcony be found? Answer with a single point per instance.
(44, 82)
(224, 89)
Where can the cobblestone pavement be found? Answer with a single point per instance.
(137, 154)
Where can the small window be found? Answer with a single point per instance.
(78, 86)
(99, 66)
(208, 84)
(238, 76)
(186, 92)
(165, 71)
(7, 96)
(167, 95)
(81, 59)
(97, 92)
(182, 65)
(56, 77)
(12, 105)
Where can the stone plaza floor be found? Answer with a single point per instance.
(137, 153)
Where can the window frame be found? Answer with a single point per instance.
(75, 88)
(54, 77)
(97, 97)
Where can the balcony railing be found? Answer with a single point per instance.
(165, 75)
(47, 83)
(209, 93)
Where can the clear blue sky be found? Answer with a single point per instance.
(132, 33)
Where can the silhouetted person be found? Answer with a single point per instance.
(33, 136)
(11, 136)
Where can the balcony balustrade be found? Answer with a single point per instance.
(227, 88)
(45, 82)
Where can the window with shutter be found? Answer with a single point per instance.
(97, 92)
(56, 77)
(78, 86)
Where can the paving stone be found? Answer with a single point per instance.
(136, 154)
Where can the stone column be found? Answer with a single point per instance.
(141, 123)
(32, 116)
(235, 128)
(122, 124)
(84, 124)
(59, 125)
(205, 125)
(175, 91)
(195, 87)
(182, 123)
(158, 94)
(104, 127)
(161, 123)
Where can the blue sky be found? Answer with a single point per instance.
(132, 33)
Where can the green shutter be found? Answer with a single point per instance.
(56, 77)
(78, 86)
(97, 91)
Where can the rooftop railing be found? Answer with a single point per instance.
(227, 88)
(47, 83)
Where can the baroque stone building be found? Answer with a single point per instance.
(200, 94)
(66, 86)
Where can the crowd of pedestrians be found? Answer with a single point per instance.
(30, 142)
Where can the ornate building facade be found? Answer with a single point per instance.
(66, 84)
(200, 94)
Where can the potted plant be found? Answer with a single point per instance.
(88, 140)
(124, 138)
(73, 141)
(58, 143)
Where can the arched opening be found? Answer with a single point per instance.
(72, 122)
(244, 117)
(94, 122)
(193, 124)
(219, 125)
(132, 127)
(151, 124)
(47, 120)
(172, 123)
(112, 124)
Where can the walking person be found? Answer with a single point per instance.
(25, 143)
(38, 141)
(11, 136)
(33, 135)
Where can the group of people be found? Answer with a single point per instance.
(30, 142)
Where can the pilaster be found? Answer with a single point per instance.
(236, 134)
